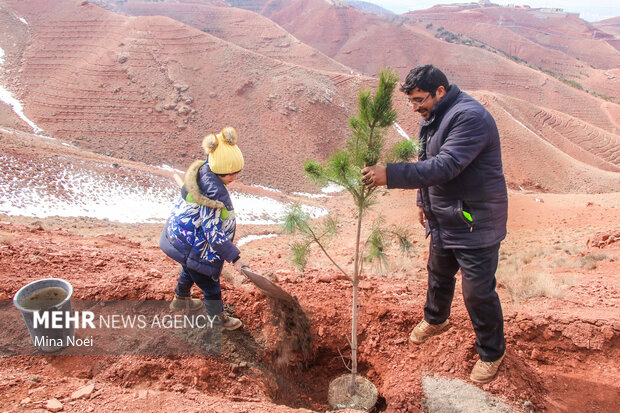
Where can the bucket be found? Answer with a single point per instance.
(46, 297)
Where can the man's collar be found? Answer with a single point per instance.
(441, 106)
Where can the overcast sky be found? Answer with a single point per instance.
(593, 10)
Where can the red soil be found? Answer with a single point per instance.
(557, 347)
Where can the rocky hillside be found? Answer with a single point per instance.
(148, 87)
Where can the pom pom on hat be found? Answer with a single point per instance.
(225, 157)
(229, 135)
(209, 143)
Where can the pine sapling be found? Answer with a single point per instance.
(364, 148)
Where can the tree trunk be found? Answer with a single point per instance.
(354, 312)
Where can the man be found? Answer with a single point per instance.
(463, 204)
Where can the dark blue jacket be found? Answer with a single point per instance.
(200, 231)
(459, 169)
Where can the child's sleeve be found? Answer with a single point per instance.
(215, 235)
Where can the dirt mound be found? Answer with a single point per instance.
(294, 344)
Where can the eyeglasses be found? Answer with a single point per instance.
(416, 102)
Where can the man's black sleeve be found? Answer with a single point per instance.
(467, 138)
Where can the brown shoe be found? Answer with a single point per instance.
(485, 371)
(227, 322)
(189, 304)
(425, 330)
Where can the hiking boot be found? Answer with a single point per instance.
(227, 322)
(485, 371)
(186, 304)
(425, 330)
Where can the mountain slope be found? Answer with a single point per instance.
(560, 43)
(150, 88)
(234, 25)
(539, 152)
(560, 33)
(367, 43)
(370, 8)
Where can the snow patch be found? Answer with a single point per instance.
(17, 107)
(250, 238)
(401, 131)
(331, 188)
(38, 191)
(262, 210)
(70, 189)
(266, 188)
(15, 104)
(307, 195)
(171, 169)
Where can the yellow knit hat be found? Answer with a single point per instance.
(224, 155)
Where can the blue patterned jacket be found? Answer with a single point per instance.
(200, 231)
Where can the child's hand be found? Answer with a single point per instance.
(239, 265)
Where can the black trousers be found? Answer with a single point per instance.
(211, 289)
(478, 268)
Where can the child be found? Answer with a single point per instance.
(199, 234)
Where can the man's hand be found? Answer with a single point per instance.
(373, 176)
(421, 217)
